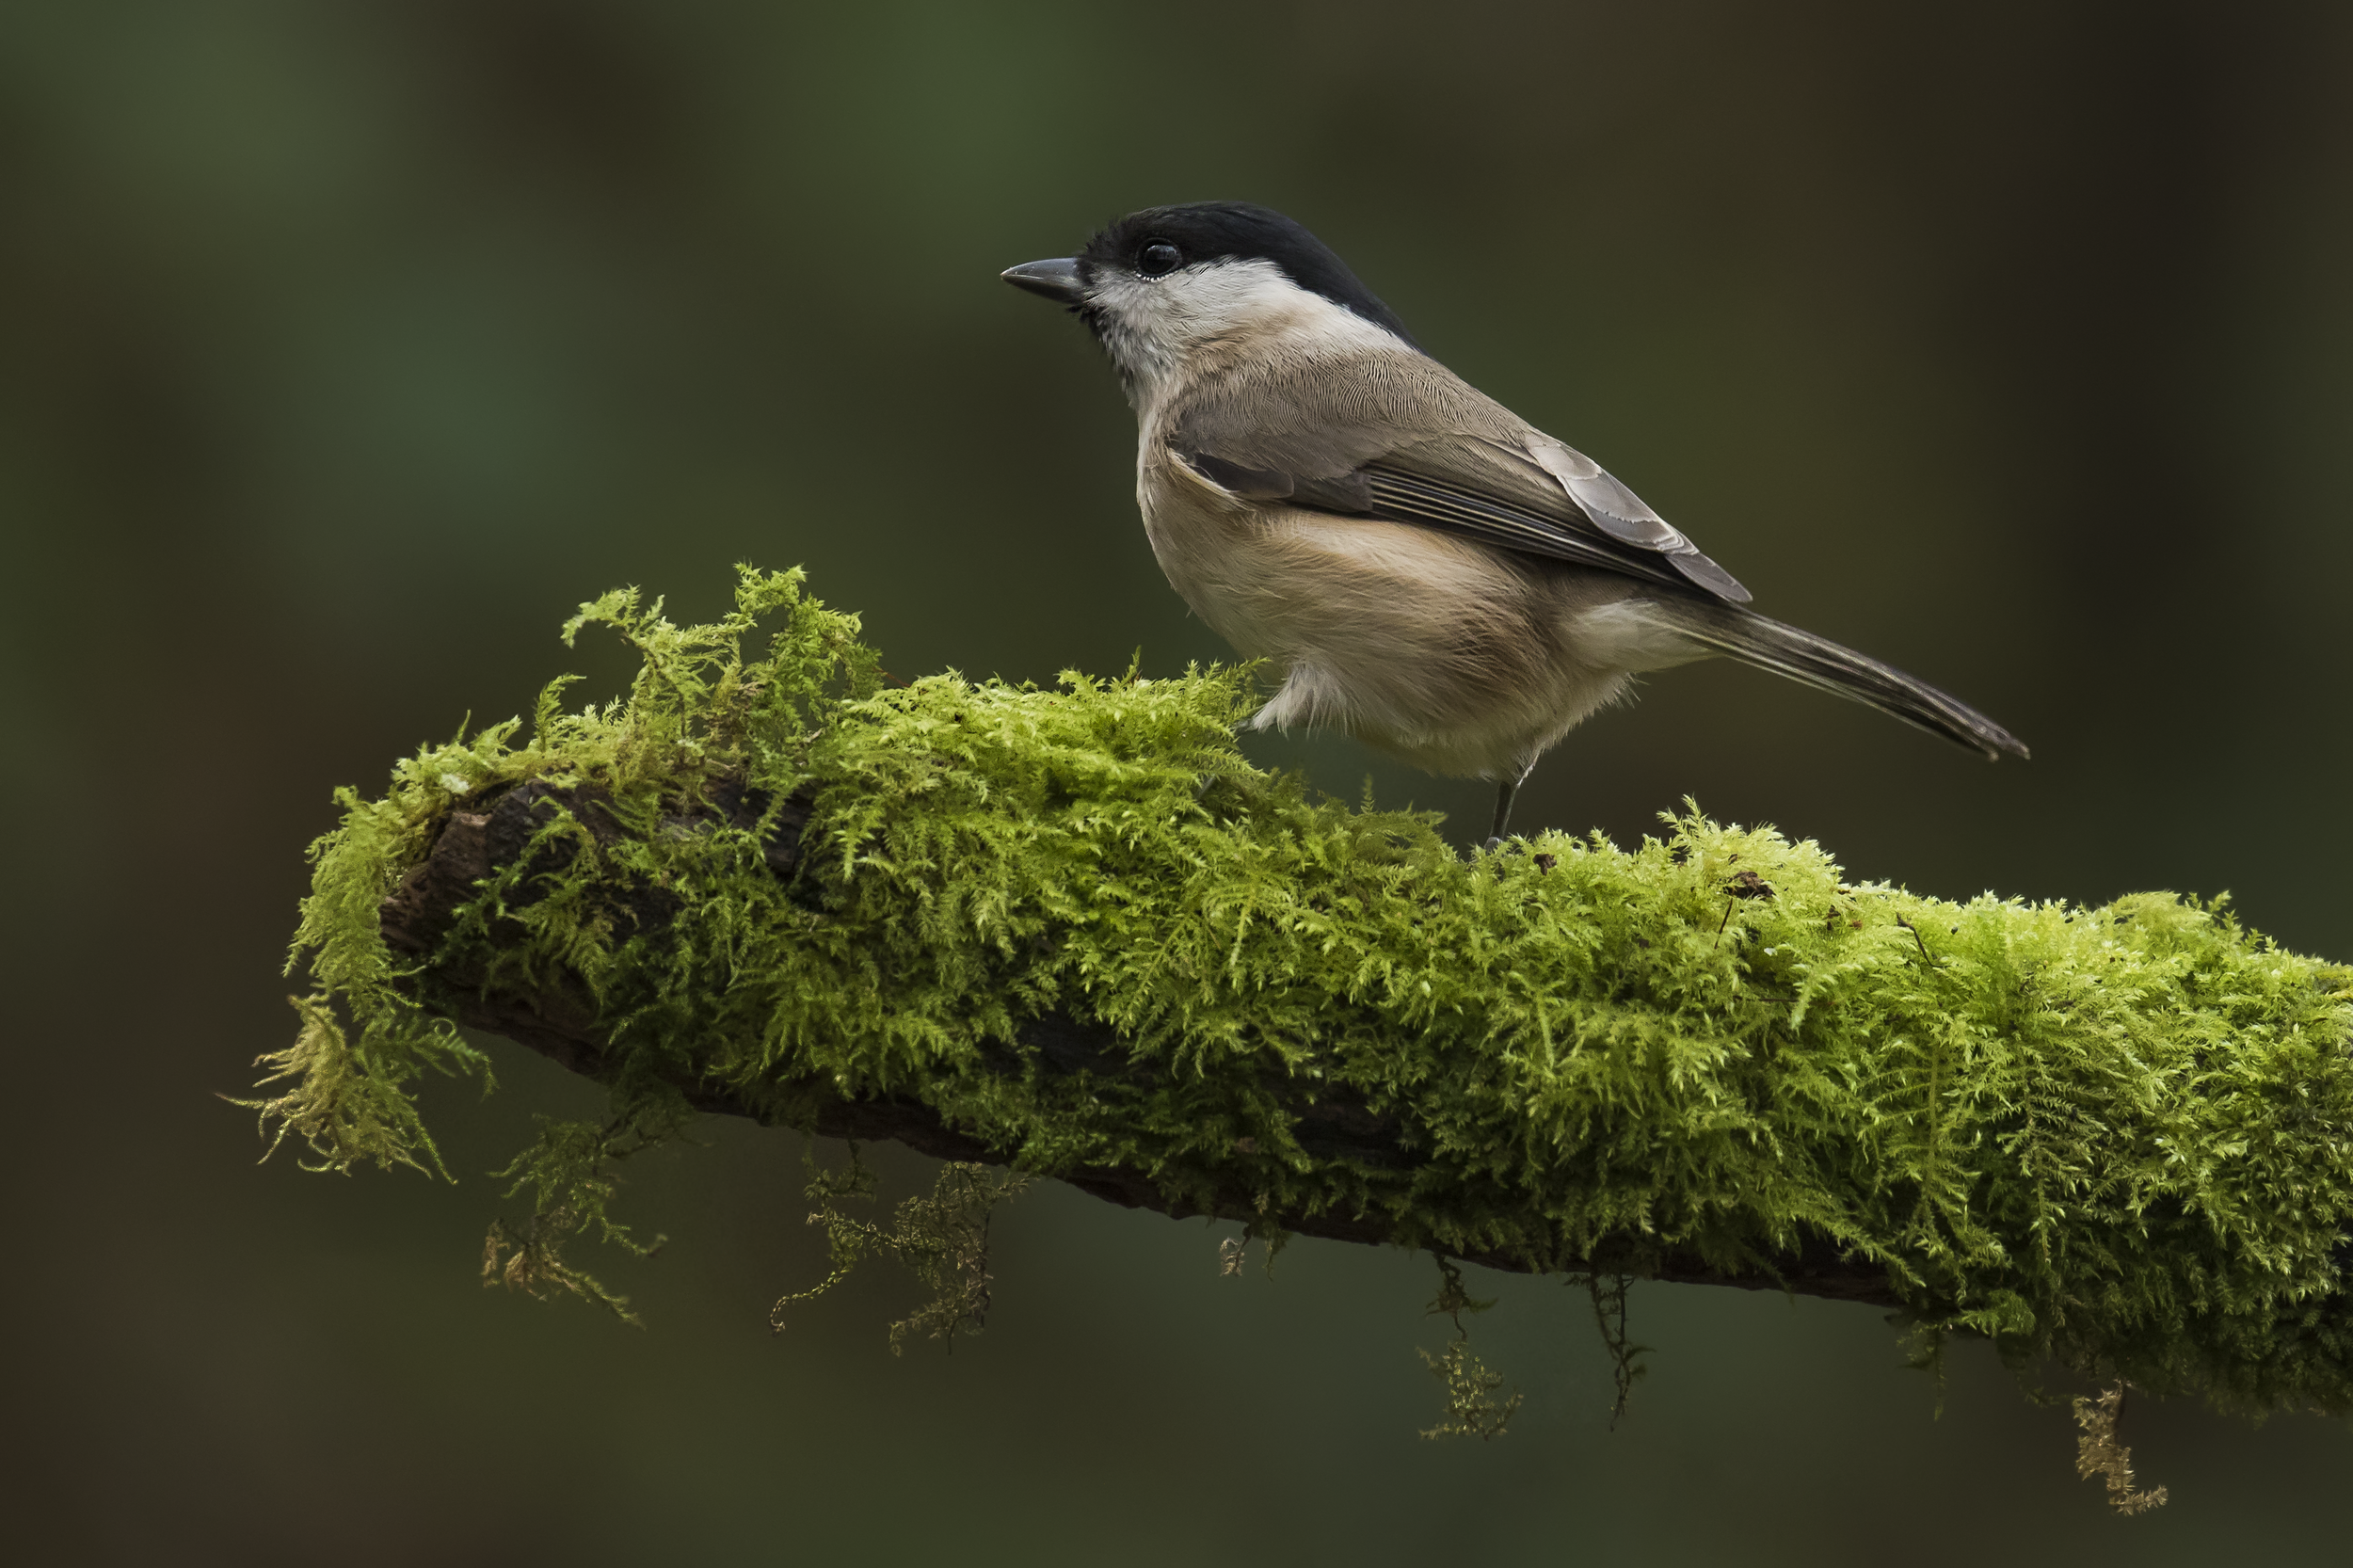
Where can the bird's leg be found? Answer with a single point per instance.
(1505, 790)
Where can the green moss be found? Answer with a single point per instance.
(568, 1172)
(2115, 1135)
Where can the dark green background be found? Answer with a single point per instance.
(345, 349)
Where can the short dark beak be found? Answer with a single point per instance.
(1057, 279)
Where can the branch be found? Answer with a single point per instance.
(558, 1022)
(1074, 931)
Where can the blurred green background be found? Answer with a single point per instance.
(345, 347)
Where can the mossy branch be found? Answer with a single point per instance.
(1074, 931)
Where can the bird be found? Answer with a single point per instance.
(1417, 566)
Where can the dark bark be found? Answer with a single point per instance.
(561, 1025)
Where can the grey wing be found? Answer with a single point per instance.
(1403, 440)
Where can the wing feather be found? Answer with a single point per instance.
(1401, 437)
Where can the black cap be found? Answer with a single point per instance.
(1239, 230)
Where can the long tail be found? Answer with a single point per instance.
(1823, 664)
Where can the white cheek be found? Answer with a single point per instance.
(1151, 326)
(1203, 302)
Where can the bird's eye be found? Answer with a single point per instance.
(1158, 259)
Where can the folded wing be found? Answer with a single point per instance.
(1403, 440)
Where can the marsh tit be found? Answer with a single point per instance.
(1422, 568)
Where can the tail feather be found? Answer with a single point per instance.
(1816, 662)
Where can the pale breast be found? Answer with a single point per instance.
(1461, 659)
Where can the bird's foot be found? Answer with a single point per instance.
(1498, 845)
